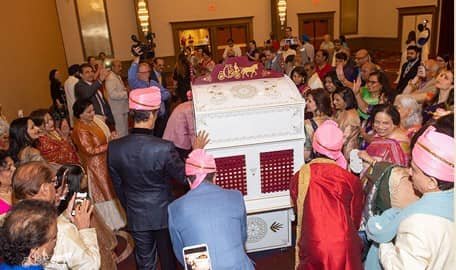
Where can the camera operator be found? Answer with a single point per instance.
(77, 244)
(139, 76)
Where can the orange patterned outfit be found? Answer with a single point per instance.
(92, 143)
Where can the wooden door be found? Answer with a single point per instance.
(222, 34)
(316, 25)
(321, 29)
(240, 36)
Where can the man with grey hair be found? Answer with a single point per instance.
(118, 98)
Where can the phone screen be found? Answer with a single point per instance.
(80, 197)
(197, 258)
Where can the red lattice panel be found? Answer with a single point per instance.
(276, 170)
(231, 173)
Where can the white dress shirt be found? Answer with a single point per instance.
(69, 93)
(422, 242)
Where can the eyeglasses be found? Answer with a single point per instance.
(147, 71)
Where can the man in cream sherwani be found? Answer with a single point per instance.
(118, 98)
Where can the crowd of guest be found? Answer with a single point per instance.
(379, 165)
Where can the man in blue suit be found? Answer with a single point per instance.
(211, 215)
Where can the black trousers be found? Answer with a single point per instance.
(148, 244)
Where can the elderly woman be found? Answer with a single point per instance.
(51, 143)
(23, 137)
(91, 137)
(319, 107)
(347, 117)
(390, 142)
(28, 236)
(410, 112)
(324, 192)
(77, 246)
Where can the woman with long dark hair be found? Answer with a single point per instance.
(347, 118)
(319, 106)
(57, 95)
(22, 139)
(75, 178)
(182, 77)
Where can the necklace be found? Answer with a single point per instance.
(54, 134)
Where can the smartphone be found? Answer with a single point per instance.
(80, 198)
(197, 257)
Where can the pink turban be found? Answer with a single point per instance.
(145, 99)
(434, 154)
(328, 140)
(199, 163)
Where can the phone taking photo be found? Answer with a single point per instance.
(78, 200)
(197, 257)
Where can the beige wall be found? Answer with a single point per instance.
(294, 7)
(381, 18)
(122, 24)
(31, 47)
(164, 11)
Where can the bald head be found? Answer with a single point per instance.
(432, 67)
(116, 66)
(362, 57)
(366, 69)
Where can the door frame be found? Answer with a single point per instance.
(211, 25)
(329, 15)
(407, 11)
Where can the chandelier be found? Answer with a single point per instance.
(143, 16)
(282, 11)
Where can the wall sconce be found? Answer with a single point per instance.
(143, 16)
(282, 11)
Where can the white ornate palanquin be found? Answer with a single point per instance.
(256, 130)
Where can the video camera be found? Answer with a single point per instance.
(147, 47)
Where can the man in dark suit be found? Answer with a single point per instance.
(409, 68)
(158, 75)
(89, 88)
(141, 167)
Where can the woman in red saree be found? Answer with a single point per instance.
(329, 201)
(390, 142)
(53, 146)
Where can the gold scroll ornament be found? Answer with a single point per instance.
(233, 71)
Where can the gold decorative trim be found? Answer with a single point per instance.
(435, 155)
